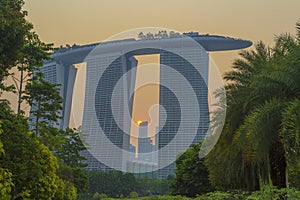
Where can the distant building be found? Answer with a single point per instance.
(145, 145)
(146, 162)
(132, 149)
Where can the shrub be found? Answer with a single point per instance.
(214, 196)
(98, 196)
(271, 192)
(133, 195)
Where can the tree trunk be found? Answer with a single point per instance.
(252, 179)
(12, 193)
(278, 165)
(20, 92)
(37, 122)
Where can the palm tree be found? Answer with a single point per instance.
(272, 92)
(262, 127)
(227, 154)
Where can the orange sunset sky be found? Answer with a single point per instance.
(82, 22)
(77, 21)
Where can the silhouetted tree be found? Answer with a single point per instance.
(191, 175)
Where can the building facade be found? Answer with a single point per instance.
(174, 108)
(90, 100)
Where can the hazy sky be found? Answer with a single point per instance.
(77, 21)
(81, 22)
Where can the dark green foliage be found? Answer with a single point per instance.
(19, 46)
(32, 164)
(70, 192)
(260, 136)
(191, 175)
(98, 196)
(133, 195)
(77, 176)
(113, 184)
(146, 186)
(265, 193)
(46, 102)
(69, 153)
(80, 180)
(71, 168)
(294, 174)
(5, 175)
(28, 168)
(127, 183)
(118, 184)
(13, 31)
(32, 57)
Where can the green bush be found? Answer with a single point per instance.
(70, 191)
(98, 196)
(133, 195)
(215, 196)
(271, 192)
(268, 192)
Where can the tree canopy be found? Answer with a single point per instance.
(260, 137)
(191, 175)
(28, 161)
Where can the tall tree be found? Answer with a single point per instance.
(13, 31)
(258, 131)
(32, 164)
(72, 167)
(32, 167)
(20, 47)
(226, 156)
(191, 175)
(71, 148)
(272, 91)
(32, 56)
(46, 103)
(5, 175)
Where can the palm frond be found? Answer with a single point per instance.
(298, 29)
(291, 128)
(259, 131)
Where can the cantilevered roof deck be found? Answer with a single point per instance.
(77, 54)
